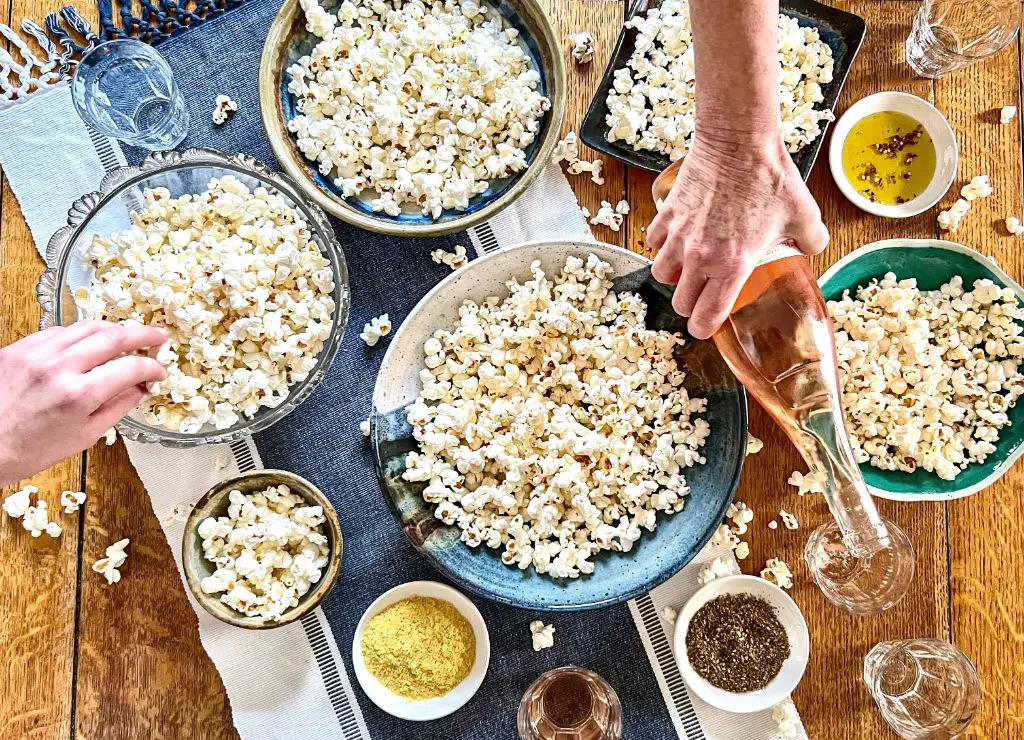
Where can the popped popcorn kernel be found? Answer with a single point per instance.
(543, 635)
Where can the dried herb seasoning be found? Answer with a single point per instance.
(737, 643)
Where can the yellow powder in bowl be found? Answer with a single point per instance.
(419, 648)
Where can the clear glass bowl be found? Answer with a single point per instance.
(106, 212)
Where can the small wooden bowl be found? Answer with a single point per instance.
(214, 503)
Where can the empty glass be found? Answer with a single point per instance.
(925, 689)
(951, 34)
(126, 90)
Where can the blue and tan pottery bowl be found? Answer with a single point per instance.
(617, 576)
(288, 40)
(933, 262)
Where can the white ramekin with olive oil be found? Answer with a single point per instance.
(893, 154)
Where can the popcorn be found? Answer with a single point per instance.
(773, 524)
(415, 105)
(778, 572)
(978, 187)
(742, 551)
(788, 720)
(110, 437)
(36, 521)
(717, 568)
(235, 278)
(543, 635)
(950, 220)
(568, 150)
(927, 377)
(754, 445)
(72, 500)
(552, 424)
(17, 504)
(269, 550)
(1007, 113)
(652, 100)
(669, 614)
(223, 108)
(789, 520)
(1014, 226)
(454, 260)
(176, 514)
(364, 427)
(109, 565)
(377, 328)
(608, 216)
(582, 47)
(812, 482)
(741, 515)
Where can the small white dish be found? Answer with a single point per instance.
(947, 154)
(792, 669)
(427, 709)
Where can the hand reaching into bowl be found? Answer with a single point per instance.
(737, 191)
(62, 388)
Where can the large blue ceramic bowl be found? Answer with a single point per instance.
(617, 576)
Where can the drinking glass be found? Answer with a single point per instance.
(126, 90)
(951, 34)
(570, 703)
(925, 689)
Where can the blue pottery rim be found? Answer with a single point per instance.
(934, 262)
(433, 539)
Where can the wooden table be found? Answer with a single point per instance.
(83, 659)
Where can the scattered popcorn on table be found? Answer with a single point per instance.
(1007, 113)
(110, 437)
(582, 47)
(378, 327)
(776, 571)
(585, 211)
(223, 108)
(552, 423)
(595, 169)
(717, 568)
(17, 504)
(235, 278)
(420, 104)
(543, 635)
(1014, 226)
(927, 377)
(454, 260)
(568, 150)
(177, 514)
(109, 565)
(754, 445)
(269, 551)
(71, 501)
(651, 103)
(669, 614)
(789, 520)
(742, 551)
(978, 187)
(950, 220)
(812, 482)
(788, 720)
(608, 216)
(37, 520)
(622, 208)
(741, 516)
(724, 536)
(364, 427)
(773, 524)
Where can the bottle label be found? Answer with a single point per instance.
(778, 252)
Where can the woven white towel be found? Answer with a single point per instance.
(292, 682)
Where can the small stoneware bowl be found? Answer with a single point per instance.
(214, 503)
(426, 709)
(946, 153)
(932, 262)
(288, 40)
(789, 616)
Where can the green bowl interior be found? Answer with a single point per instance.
(932, 266)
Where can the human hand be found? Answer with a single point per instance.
(62, 388)
(731, 201)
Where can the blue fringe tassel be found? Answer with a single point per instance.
(154, 23)
(70, 48)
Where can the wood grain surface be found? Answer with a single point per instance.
(87, 660)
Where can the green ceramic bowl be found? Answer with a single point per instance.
(933, 262)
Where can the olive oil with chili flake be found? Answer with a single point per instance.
(889, 157)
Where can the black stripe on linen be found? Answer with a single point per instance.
(485, 237)
(340, 700)
(669, 668)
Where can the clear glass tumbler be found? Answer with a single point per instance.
(126, 90)
(570, 703)
(925, 689)
(951, 34)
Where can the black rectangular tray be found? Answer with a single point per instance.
(842, 31)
